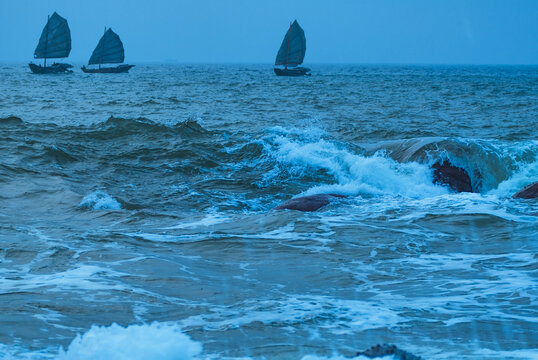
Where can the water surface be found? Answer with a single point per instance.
(145, 199)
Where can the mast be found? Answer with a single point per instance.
(102, 49)
(288, 49)
(46, 42)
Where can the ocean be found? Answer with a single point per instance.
(137, 213)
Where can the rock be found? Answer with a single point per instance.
(452, 176)
(384, 350)
(528, 192)
(309, 203)
(11, 120)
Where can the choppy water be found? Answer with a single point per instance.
(145, 199)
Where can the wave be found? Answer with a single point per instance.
(402, 167)
(99, 200)
(488, 162)
(159, 341)
(10, 170)
(302, 160)
(524, 176)
(115, 127)
(58, 154)
(351, 173)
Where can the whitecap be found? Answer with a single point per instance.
(524, 176)
(355, 174)
(145, 342)
(99, 200)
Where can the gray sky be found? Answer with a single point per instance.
(250, 31)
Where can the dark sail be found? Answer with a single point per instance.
(55, 41)
(293, 47)
(109, 50)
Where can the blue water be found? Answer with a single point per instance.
(136, 213)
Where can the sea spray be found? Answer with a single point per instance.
(155, 341)
(355, 174)
(524, 176)
(99, 200)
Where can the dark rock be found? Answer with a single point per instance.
(309, 203)
(11, 120)
(384, 350)
(452, 176)
(528, 192)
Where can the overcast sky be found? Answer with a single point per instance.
(250, 31)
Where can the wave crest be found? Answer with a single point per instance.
(135, 342)
(355, 174)
(116, 127)
(99, 200)
(488, 162)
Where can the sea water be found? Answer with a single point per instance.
(137, 221)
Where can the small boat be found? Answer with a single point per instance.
(291, 53)
(109, 50)
(55, 42)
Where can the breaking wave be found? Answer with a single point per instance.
(145, 342)
(99, 200)
(403, 167)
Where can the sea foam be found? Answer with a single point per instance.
(356, 174)
(340, 357)
(524, 176)
(99, 200)
(145, 342)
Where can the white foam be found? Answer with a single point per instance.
(349, 316)
(340, 357)
(99, 200)
(527, 354)
(461, 297)
(409, 209)
(286, 233)
(209, 220)
(356, 174)
(157, 341)
(525, 176)
(84, 277)
(186, 238)
(310, 130)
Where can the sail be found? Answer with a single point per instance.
(293, 46)
(55, 40)
(109, 50)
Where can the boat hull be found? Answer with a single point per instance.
(108, 70)
(298, 71)
(56, 68)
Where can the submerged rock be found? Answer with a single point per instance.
(452, 176)
(528, 192)
(309, 203)
(10, 120)
(384, 350)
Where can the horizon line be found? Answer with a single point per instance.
(177, 62)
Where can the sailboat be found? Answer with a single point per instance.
(291, 53)
(55, 42)
(109, 50)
